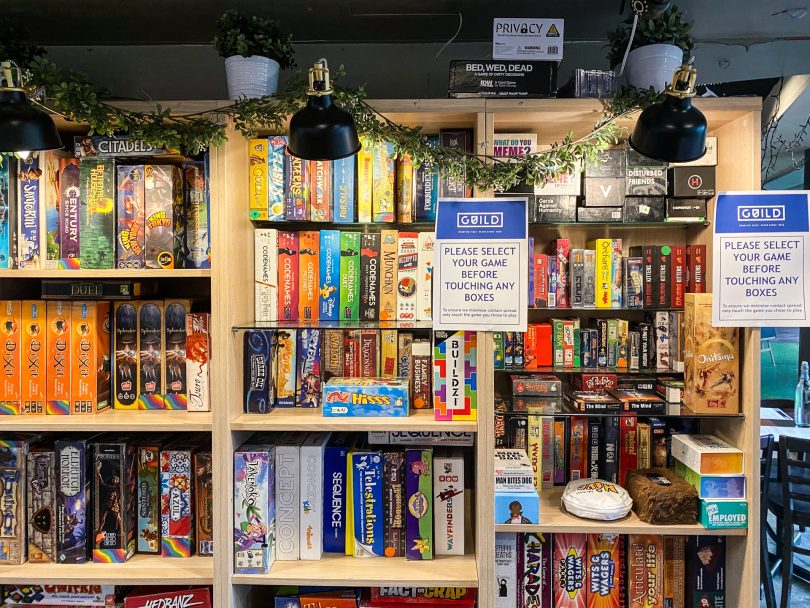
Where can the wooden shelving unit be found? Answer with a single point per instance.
(119, 273)
(140, 570)
(737, 124)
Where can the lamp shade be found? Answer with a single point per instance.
(322, 131)
(23, 127)
(671, 131)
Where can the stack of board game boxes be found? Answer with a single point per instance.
(372, 186)
(609, 570)
(305, 494)
(620, 186)
(344, 371)
(96, 211)
(101, 499)
(75, 357)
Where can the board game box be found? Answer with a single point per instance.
(70, 197)
(197, 214)
(13, 545)
(95, 596)
(74, 513)
(163, 204)
(284, 353)
(449, 496)
(29, 194)
(33, 330)
(176, 500)
(151, 355)
(419, 499)
(41, 506)
(365, 397)
(198, 353)
(97, 213)
(335, 498)
(130, 228)
(394, 503)
(645, 570)
(11, 379)
(309, 372)
(203, 503)
(258, 357)
(343, 189)
(287, 275)
(254, 508)
(148, 522)
(90, 358)
(114, 502)
(308, 262)
(265, 274)
(125, 383)
(570, 570)
(329, 279)
(288, 495)
(367, 487)
(312, 495)
(370, 276)
(605, 570)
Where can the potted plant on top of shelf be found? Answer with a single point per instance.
(657, 48)
(255, 50)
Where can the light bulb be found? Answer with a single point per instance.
(23, 154)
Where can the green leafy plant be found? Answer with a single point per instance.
(246, 36)
(668, 28)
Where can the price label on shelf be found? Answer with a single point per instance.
(761, 258)
(482, 265)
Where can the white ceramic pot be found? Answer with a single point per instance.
(653, 65)
(251, 77)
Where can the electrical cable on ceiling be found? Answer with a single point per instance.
(441, 50)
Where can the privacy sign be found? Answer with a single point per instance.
(528, 39)
(760, 259)
(482, 265)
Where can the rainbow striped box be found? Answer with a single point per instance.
(114, 504)
(454, 363)
(176, 498)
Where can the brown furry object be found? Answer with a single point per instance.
(659, 503)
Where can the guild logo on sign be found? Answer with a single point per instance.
(695, 182)
(482, 219)
(761, 213)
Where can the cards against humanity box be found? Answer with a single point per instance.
(419, 499)
(312, 495)
(41, 506)
(254, 508)
(604, 191)
(608, 163)
(288, 495)
(448, 479)
(487, 78)
(548, 208)
(600, 214)
(114, 502)
(73, 507)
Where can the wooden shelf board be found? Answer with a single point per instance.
(290, 419)
(334, 569)
(115, 420)
(107, 273)
(553, 518)
(140, 570)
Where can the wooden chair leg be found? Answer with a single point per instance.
(787, 565)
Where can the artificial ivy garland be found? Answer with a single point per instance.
(71, 95)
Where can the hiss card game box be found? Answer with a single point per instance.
(254, 509)
(151, 355)
(97, 213)
(33, 330)
(175, 339)
(74, 514)
(41, 485)
(57, 364)
(13, 546)
(176, 500)
(312, 495)
(130, 228)
(148, 522)
(365, 397)
(419, 496)
(114, 497)
(204, 503)
(367, 485)
(125, 340)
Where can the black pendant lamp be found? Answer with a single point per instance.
(673, 130)
(321, 130)
(23, 128)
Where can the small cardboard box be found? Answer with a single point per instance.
(713, 487)
(723, 514)
(604, 191)
(365, 397)
(546, 208)
(600, 214)
(609, 163)
(11, 379)
(644, 209)
(692, 182)
(517, 507)
(706, 454)
(686, 209)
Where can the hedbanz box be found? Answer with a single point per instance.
(645, 570)
(114, 502)
(70, 197)
(73, 507)
(33, 330)
(151, 355)
(163, 200)
(258, 358)
(308, 263)
(125, 341)
(197, 214)
(13, 546)
(130, 236)
(41, 505)
(254, 520)
(148, 522)
(97, 213)
(176, 499)
(367, 489)
(199, 598)
(198, 353)
(365, 397)
(90, 358)
(570, 570)
(419, 497)
(10, 351)
(203, 503)
(448, 490)
(29, 194)
(309, 372)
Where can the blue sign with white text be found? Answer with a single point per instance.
(765, 212)
(481, 219)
